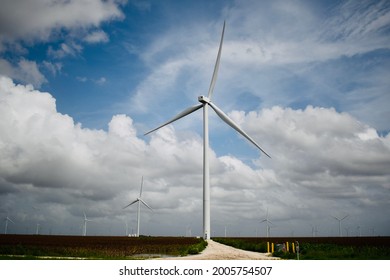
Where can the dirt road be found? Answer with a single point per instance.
(218, 251)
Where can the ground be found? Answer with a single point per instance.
(218, 251)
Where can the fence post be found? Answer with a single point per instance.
(297, 250)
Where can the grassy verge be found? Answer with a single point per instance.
(315, 251)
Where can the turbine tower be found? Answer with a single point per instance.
(338, 219)
(268, 222)
(85, 224)
(205, 103)
(139, 200)
(7, 219)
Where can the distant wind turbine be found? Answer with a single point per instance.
(126, 228)
(268, 222)
(85, 224)
(205, 103)
(7, 219)
(139, 200)
(38, 225)
(314, 231)
(338, 219)
(188, 231)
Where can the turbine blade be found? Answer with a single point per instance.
(178, 116)
(10, 220)
(144, 203)
(230, 122)
(142, 182)
(216, 66)
(131, 203)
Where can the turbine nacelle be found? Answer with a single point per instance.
(203, 99)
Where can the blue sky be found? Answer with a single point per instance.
(81, 81)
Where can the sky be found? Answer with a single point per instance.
(82, 81)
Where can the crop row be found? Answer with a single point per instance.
(97, 246)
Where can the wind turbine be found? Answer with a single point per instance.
(314, 231)
(139, 200)
(205, 103)
(338, 219)
(38, 225)
(126, 228)
(85, 224)
(7, 219)
(268, 222)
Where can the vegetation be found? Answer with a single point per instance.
(244, 244)
(322, 248)
(96, 247)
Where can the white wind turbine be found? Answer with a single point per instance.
(7, 219)
(338, 219)
(314, 231)
(268, 222)
(205, 103)
(139, 200)
(38, 225)
(85, 224)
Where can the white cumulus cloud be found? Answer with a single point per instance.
(323, 163)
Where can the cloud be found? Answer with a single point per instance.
(97, 37)
(41, 20)
(141, 5)
(23, 24)
(65, 49)
(323, 163)
(54, 68)
(25, 71)
(293, 55)
(101, 81)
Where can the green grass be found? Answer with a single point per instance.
(341, 252)
(315, 251)
(244, 245)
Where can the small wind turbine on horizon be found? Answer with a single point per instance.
(268, 222)
(139, 200)
(7, 219)
(38, 225)
(85, 224)
(126, 228)
(314, 231)
(338, 219)
(188, 231)
(205, 103)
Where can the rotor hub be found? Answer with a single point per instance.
(203, 99)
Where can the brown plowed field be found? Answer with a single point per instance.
(95, 246)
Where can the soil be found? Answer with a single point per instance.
(218, 251)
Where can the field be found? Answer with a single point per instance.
(96, 247)
(320, 248)
(109, 247)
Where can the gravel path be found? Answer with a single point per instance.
(218, 251)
